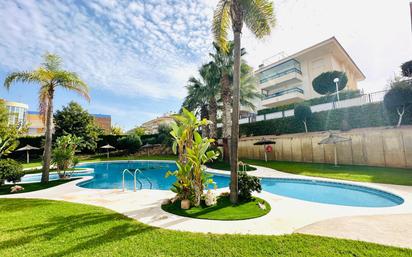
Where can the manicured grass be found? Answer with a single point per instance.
(33, 227)
(345, 172)
(223, 210)
(221, 165)
(30, 187)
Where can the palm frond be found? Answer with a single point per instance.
(221, 23)
(259, 16)
(71, 81)
(23, 77)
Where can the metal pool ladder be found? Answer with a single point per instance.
(136, 179)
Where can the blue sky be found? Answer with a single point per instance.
(137, 55)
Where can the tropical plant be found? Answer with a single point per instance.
(249, 92)
(131, 143)
(399, 97)
(247, 185)
(324, 83)
(259, 17)
(50, 76)
(302, 113)
(73, 119)
(407, 69)
(182, 132)
(64, 152)
(10, 170)
(193, 154)
(116, 130)
(202, 95)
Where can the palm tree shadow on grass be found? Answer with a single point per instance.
(60, 225)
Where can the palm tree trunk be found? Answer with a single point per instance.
(213, 117)
(204, 115)
(237, 24)
(48, 140)
(226, 115)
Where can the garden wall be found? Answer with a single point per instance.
(386, 147)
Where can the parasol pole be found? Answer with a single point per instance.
(27, 156)
(266, 155)
(336, 155)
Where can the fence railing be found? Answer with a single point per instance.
(356, 101)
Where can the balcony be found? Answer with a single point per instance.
(288, 96)
(280, 75)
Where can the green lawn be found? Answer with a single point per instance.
(34, 227)
(223, 210)
(221, 165)
(29, 187)
(345, 172)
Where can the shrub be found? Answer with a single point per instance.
(131, 143)
(399, 98)
(248, 184)
(324, 84)
(303, 113)
(407, 69)
(10, 170)
(64, 154)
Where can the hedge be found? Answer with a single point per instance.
(343, 95)
(369, 115)
(37, 141)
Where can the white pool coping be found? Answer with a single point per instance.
(288, 215)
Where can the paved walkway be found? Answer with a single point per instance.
(391, 225)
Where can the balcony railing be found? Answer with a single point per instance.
(280, 74)
(284, 92)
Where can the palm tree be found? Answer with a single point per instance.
(259, 17)
(224, 61)
(202, 95)
(50, 76)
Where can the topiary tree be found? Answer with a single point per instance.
(302, 113)
(399, 97)
(407, 69)
(324, 83)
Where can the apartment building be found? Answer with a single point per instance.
(289, 80)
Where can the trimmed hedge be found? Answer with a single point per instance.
(343, 95)
(370, 115)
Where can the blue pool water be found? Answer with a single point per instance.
(109, 176)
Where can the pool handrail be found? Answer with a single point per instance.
(135, 179)
(148, 180)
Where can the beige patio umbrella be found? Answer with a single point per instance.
(108, 147)
(334, 139)
(28, 148)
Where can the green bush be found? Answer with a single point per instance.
(324, 83)
(407, 69)
(369, 115)
(248, 184)
(10, 170)
(131, 143)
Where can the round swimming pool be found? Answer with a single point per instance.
(108, 175)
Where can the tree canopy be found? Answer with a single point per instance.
(324, 84)
(73, 119)
(8, 133)
(302, 113)
(407, 69)
(399, 97)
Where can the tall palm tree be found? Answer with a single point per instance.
(249, 92)
(202, 95)
(259, 17)
(50, 76)
(224, 60)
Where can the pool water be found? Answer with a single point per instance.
(108, 175)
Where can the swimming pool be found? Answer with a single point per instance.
(108, 175)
